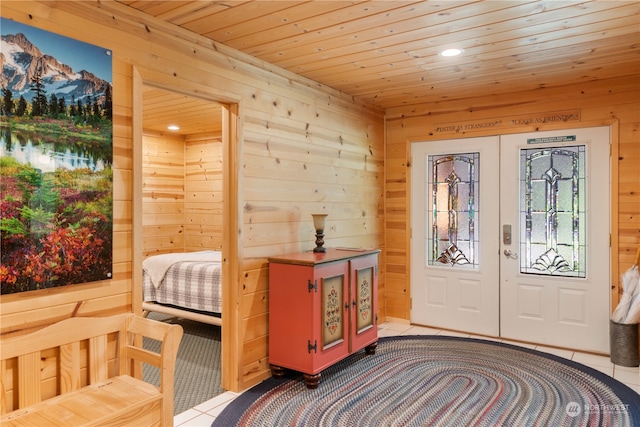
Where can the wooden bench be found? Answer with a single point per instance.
(87, 371)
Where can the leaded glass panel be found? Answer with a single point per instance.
(552, 211)
(453, 180)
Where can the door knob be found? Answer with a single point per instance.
(510, 254)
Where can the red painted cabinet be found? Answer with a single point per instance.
(322, 308)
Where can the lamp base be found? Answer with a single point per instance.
(319, 242)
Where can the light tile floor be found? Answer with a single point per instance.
(204, 414)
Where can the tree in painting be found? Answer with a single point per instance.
(56, 181)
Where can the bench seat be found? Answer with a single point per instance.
(120, 401)
(107, 355)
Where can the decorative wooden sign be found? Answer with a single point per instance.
(561, 116)
(523, 120)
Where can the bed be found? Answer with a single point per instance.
(187, 285)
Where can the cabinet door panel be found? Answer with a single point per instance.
(364, 299)
(364, 304)
(333, 318)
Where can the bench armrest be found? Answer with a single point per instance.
(134, 355)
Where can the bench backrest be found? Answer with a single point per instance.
(74, 352)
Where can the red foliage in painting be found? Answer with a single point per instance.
(10, 209)
(9, 187)
(42, 249)
(61, 257)
(56, 203)
(62, 252)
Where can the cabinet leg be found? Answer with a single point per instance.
(371, 348)
(312, 380)
(277, 372)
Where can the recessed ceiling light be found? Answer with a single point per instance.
(451, 52)
(173, 127)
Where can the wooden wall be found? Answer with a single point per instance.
(182, 193)
(611, 102)
(163, 194)
(204, 201)
(297, 148)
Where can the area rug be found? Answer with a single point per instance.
(198, 364)
(441, 381)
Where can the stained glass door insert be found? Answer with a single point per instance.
(552, 211)
(454, 210)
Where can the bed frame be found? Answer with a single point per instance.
(148, 306)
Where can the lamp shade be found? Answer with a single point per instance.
(319, 220)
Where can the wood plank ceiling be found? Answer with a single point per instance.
(192, 116)
(387, 53)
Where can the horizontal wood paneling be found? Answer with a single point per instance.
(203, 194)
(337, 142)
(306, 148)
(606, 102)
(163, 193)
(182, 192)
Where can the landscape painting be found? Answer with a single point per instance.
(56, 156)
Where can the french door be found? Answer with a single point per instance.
(455, 212)
(510, 236)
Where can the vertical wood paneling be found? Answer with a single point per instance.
(608, 102)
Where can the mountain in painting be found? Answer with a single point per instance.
(21, 61)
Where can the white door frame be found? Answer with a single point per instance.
(605, 307)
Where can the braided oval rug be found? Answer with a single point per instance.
(441, 381)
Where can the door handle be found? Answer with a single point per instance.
(510, 254)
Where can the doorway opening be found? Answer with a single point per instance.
(181, 211)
